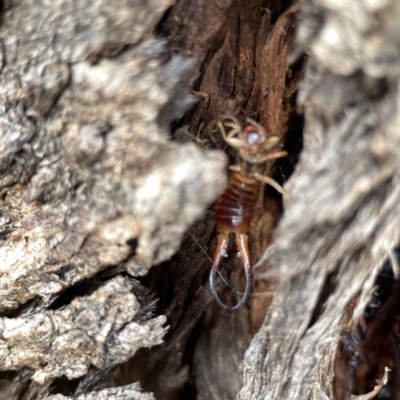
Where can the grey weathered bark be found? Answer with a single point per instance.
(342, 208)
(91, 186)
(131, 392)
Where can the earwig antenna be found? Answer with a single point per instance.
(200, 246)
(231, 286)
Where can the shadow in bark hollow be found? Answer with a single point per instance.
(87, 286)
(366, 349)
(238, 46)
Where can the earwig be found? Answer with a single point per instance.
(234, 209)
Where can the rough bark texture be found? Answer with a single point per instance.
(341, 219)
(91, 186)
(131, 392)
(239, 44)
(108, 165)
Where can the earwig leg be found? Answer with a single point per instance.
(234, 142)
(230, 135)
(220, 252)
(242, 244)
(270, 181)
(272, 156)
(235, 129)
(234, 120)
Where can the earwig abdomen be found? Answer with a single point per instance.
(234, 209)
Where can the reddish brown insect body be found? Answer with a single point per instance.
(234, 209)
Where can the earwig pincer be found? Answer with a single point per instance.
(234, 209)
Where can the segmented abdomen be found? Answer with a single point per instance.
(234, 208)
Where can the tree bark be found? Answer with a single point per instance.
(92, 189)
(109, 168)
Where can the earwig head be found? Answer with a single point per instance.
(252, 142)
(253, 135)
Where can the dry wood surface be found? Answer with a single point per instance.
(111, 160)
